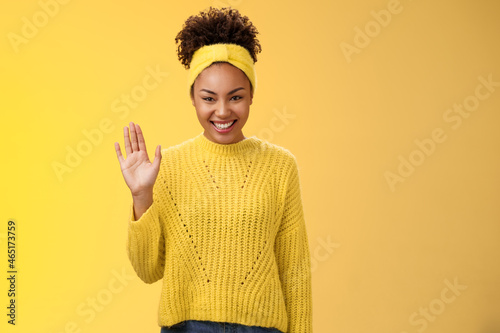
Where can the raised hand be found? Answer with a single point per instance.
(139, 173)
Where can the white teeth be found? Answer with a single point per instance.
(224, 126)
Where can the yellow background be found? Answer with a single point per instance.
(381, 253)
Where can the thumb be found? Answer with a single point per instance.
(157, 160)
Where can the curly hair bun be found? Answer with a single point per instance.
(224, 25)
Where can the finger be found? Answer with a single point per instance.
(140, 138)
(119, 153)
(133, 137)
(156, 162)
(128, 147)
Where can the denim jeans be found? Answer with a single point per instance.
(205, 326)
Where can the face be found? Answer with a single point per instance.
(221, 94)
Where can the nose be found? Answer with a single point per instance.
(222, 109)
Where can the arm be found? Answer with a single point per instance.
(141, 205)
(145, 243)
(293, 258)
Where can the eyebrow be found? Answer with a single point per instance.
(231, 92)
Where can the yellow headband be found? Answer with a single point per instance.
(232, 53)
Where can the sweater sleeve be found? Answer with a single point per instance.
(145, 244)
(293, 258)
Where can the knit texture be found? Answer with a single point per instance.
(226, 233)
(234, 54)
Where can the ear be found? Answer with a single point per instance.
(192, 95)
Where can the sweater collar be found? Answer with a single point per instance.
(226, 149)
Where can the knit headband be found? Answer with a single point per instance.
(233, 53)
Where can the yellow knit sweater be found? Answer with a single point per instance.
(226, 233)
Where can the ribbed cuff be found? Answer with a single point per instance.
(145, 244)
(148, 222)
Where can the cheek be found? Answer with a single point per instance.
(203, 108)
(204, 115)
(243, 111)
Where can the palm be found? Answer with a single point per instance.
(139, 173)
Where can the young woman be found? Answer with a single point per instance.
(219, 217)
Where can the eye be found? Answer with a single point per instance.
(237, 97)
(206, 99)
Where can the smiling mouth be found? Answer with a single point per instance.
(223, 126)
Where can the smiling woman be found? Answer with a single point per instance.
(219, 218)
(219, 48)
(222, 98)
